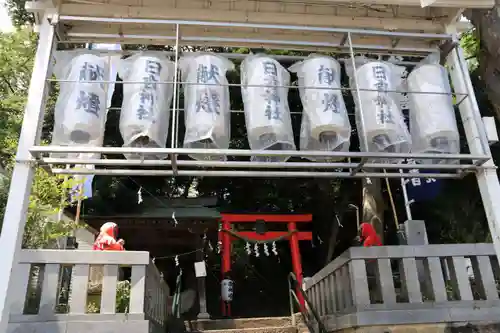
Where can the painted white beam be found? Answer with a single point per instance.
(239, 16)
(416, 3)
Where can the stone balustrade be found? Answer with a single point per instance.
(50, 293)
(400, 285)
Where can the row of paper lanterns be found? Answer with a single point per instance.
(81, 111)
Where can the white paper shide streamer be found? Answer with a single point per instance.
(145, 114)
(81, 107)
(206, 102)
(433, 125)
(325, 124)
(265, 100)
(384, 126)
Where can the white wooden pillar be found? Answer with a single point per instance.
(22, 176)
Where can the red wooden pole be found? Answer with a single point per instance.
(296, 262)
(226, 260)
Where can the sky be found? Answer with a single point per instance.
(5, 23)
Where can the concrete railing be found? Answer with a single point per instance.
(391, 285)
(50, 292)
(156, 298)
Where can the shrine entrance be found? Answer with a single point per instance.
(259, 235)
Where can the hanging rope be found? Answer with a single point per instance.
(393, 206)
(179, 255)
(249, 240)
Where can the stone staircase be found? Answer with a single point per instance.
(248, 325)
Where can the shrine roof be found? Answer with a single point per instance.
(256, 23)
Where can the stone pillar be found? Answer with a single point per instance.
(415, 233)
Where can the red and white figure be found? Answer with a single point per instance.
(106, 241)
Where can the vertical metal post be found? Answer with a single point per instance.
(357, 215)
(290, 299)
(489, 185)
(22, 176)
(405, 197)
(358, 93)
(175, 106)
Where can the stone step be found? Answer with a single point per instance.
(242, 323)
(268, 329)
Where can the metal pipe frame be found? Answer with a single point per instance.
(407, 203)
(487, 178)
(175, 102)
(243, 42)
(358, 93)
(40, 150)
(254, 169)
(241, 56)
(354, 167)
(248, 164)
(251, 174)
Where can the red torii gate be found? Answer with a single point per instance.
(293, 234)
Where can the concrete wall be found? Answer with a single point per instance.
(85, 238)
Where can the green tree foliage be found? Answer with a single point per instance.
(18, 13)
(487, 26)
(471, 46)
(17, 50)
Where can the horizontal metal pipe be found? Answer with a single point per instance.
(243, 152)
(260, 174)
(279, 57)
(248, 164)
(242, 42)
(260, 86)
(363, 32)
(238, 56)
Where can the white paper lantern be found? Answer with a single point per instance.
(384, 126)
(265, 100)
(227, 289)
(84, 103)
(206, 103)
(325, 123)
(433, 125)
(328, 141)
(81, 107)
(145, 114)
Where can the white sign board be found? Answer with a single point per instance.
(200, 269)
